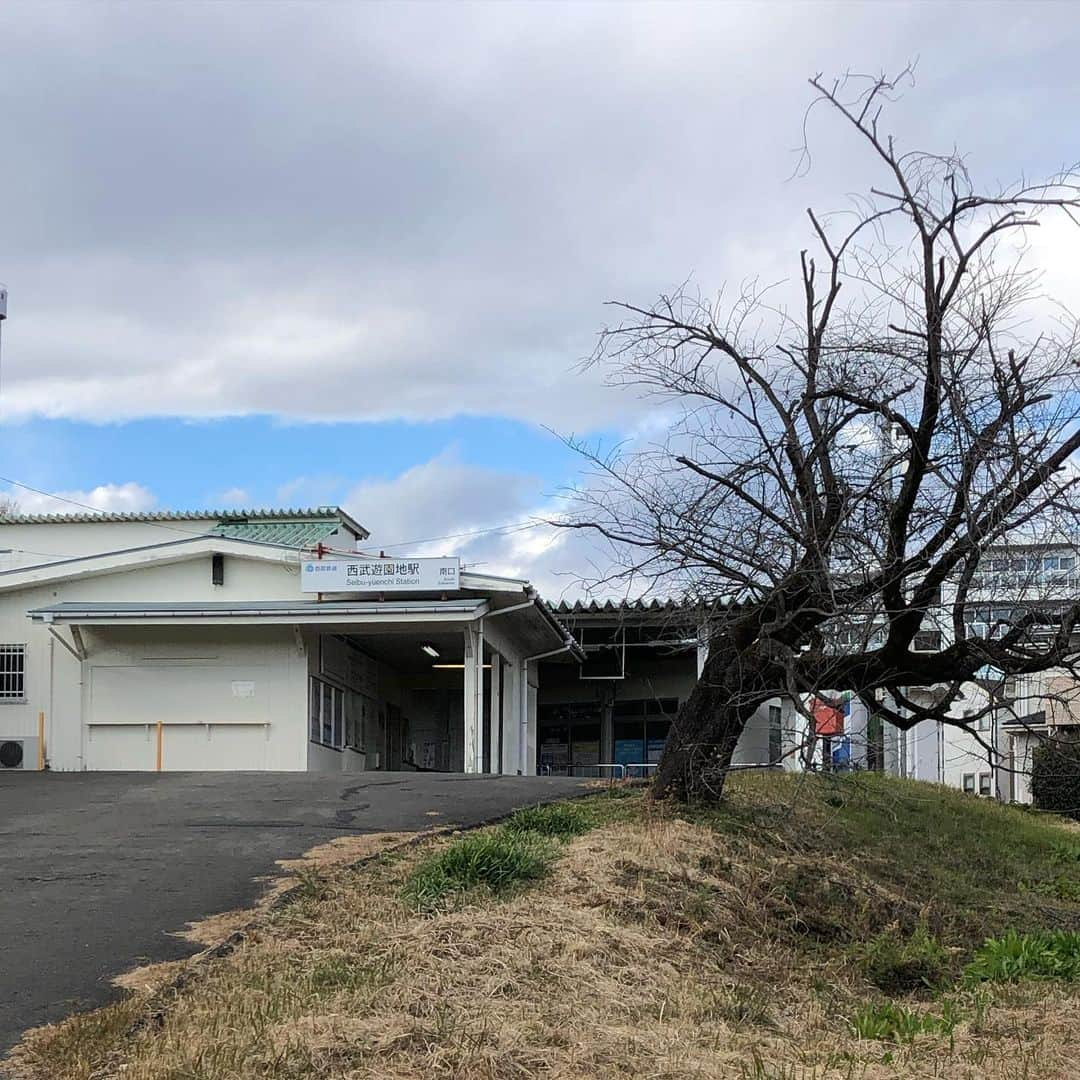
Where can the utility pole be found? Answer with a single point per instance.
(3, 316)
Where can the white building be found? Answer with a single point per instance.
(193, 641)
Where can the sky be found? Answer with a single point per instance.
(290, 254)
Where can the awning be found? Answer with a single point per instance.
(263, 612)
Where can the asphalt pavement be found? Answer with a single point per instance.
(96, 869)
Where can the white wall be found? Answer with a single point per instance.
(33, 545)
(227, 698)
(55, 680)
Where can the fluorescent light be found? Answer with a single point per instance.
(454, 667)
(430, 650)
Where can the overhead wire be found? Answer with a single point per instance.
(509, 527)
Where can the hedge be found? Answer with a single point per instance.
(1055, 777)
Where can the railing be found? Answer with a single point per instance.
(609, 771)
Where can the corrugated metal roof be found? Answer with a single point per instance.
(291, 533)
(611, 607)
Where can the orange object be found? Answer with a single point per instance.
(828, 720)
(160, 739)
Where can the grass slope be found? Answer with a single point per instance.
(810, 927)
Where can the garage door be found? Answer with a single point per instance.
(212, 717)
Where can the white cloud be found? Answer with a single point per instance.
(494, 520)
(230, 497)
(114, 498)
(368, 216)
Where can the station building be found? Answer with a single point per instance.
(260, 640)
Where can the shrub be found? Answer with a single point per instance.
(1055, 777)
(498, 861)
(1044, 954)
(895, 1023)
(899, 965)
(561, 820)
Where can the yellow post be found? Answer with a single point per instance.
(41, 742)
(160, 737)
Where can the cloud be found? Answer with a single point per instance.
(495, 520)
(234, 496)
(366, 215)
(113, 498)
(437, 506)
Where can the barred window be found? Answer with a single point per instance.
(12, 672)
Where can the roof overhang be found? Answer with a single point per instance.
(262, 613)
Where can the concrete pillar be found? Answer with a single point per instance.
(523, 765)
(495, 722)
(474, 699)
(510, 717)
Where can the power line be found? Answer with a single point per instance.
(93, 509)
(510, 527)
(513, 526)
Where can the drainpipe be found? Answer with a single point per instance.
(523, 693)
(523, 699)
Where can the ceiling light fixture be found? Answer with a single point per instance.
(430, 650)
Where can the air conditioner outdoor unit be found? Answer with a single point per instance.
(18, 752)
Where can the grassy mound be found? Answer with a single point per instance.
(810, 927)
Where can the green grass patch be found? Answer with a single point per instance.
(1042, 954)
(889, 1022)
(563, 821)
(496, 861)
(901, 964)
(929, 846)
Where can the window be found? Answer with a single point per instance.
(985, 780)
(776, 743)
(969, 783)
(641, 728)
(984, 722)
(327, 715)
(12, 672)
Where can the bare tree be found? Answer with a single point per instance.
(840, 465)
(9, 507)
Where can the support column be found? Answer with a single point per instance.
(495, 720)
(511, 716)
(523, 763)
(473, 713)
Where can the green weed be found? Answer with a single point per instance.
(560, 820)
(900, 965)
(497, 861)
(889, 1022)
(1042, 954)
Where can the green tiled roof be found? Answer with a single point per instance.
(297, 533)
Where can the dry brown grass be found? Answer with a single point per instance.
(657, 948)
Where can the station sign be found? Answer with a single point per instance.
(379, 575)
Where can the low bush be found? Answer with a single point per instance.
(901, 965)
(1044, 954)
(497, 861)
(1055, 777)
(560, 820)
(887, 1021)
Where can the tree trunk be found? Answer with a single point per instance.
(703, 736)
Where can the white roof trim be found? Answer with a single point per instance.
(492, 583)
(270, 613)
(171, 551)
